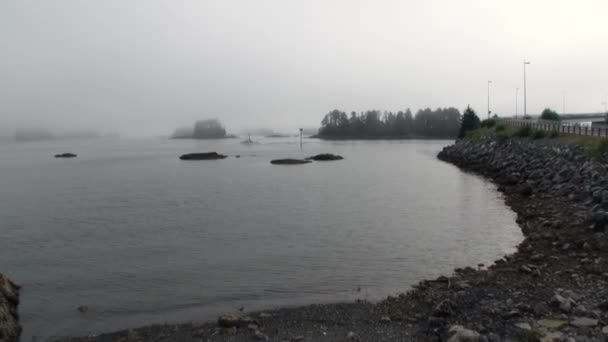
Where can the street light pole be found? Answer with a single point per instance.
(525, 93)
(489, 112)
(516, 98)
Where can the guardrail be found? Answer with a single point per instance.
(562, 127)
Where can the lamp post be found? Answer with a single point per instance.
(489, 111)
(301, 131)
(525, 99)
(516, 98)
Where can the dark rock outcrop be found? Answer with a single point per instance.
(325, 157)
(66, 155)
(10, 330)
(290, 161)
(203, 156)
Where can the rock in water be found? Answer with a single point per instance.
(202, 156)
(10, 330)
(235, 320)
(66, 155)
(290, 161)
(325, 157)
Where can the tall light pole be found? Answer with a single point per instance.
(516, 98)
(489, 111)
(525, 99)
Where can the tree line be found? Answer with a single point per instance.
(374, 124)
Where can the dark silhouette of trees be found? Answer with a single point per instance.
(209, 129)
(203, 129)
(549, 114)
(470, 121)
(374, 124)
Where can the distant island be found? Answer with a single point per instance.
(441, 123)
(277, 135)
(203, 129)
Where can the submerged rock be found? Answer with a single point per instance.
(325, 157)
(10, 330)
(202, 156)
(290, 161)
(66, 155)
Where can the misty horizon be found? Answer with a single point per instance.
(146, 68)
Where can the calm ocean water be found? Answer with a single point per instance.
(141, 237)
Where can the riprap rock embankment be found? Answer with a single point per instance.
(10, 329)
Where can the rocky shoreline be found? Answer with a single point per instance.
(552, 289)
(10, 330)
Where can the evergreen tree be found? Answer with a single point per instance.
(549, 114)
(374, 124)
(470, 121)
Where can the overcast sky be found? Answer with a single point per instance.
(147, 66)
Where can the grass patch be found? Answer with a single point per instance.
(583, 140)
(598, 146)
(479, 133)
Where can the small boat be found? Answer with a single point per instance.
(248, 141)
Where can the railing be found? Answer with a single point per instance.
(557, 126)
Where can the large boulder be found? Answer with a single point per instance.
(203, 156)
(325, 157)
(290, 161)
(10, 330)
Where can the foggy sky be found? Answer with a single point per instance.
(146, 66)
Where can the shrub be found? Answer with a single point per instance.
(489, 123)
(525, 131)
(554, 134)
(501, 137)
(539, 134)
(500, 128)
(600, 152)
